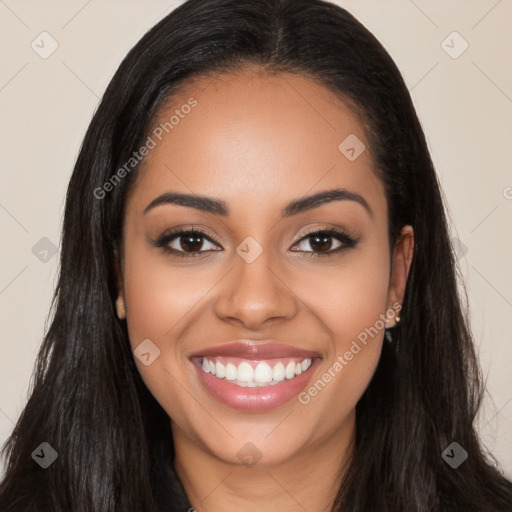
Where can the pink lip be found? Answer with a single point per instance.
(257, 398)
(247, 350)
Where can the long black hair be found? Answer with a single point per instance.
(88, 401)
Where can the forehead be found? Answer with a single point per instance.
(252, 134)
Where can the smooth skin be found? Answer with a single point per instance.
(258, 141)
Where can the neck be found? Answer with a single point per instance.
(307, 481)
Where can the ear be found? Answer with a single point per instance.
(120, 305)
(402, 258)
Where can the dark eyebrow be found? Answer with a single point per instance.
(310, 202)
(218, 207)
(205, 204)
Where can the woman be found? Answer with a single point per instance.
(257, 302)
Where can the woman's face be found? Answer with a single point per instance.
(291, 324)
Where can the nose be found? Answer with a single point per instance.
(255, 293)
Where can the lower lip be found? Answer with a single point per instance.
(257, 398)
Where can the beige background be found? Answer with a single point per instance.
(464, 103)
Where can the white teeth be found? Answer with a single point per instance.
(278, 372)
(231, 371)
(305, 364)
(262, 373)
(247, 376)
(290, 370)
(220, 370)
(245, 372)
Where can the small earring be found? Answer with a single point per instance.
(397, 319)
(121, 312)
(389, 336)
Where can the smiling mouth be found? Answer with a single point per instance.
(255, 373)
(254, 376)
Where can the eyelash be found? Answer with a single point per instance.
(347, 242)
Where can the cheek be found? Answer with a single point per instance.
(350, 297)
(158, 296)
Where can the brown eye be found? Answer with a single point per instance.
(319, 243)
(188, 243)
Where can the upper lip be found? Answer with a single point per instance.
(263, 350)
